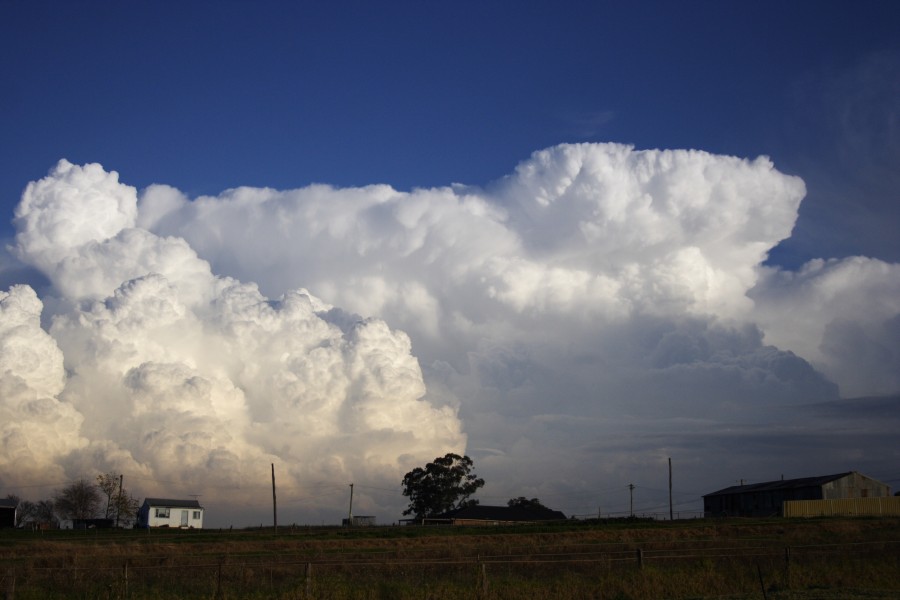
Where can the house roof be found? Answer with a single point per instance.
(7, 503)
(170, 503)
(779, 485)
(480, 512)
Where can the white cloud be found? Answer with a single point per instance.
(196, 380)
(843, 315)
(581, 319)
(37, 429)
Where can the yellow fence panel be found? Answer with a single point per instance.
(851, 507)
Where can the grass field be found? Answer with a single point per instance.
(771, 559)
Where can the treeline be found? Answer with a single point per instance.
(81, 500)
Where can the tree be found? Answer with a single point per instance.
(442, 485)
(121, 506)
(78, 500)
(125, 508)
(523, 502)
(45, 513)
(109, 486)
(25, 512)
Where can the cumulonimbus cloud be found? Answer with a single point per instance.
(596, 292)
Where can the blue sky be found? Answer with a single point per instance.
(207, 96)
(616, 280)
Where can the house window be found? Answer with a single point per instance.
(196, 515)
(864, 493)
(162, 513)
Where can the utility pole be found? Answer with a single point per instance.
(631, 498)
(274, 503)
(350, 513)
(119, 501)
(671, 517)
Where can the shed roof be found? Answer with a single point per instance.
(7, 503)
(170, 503)
(503, 513)
(779, 485)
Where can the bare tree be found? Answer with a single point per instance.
(109, 486)
(25, 512)
(125, 507)
(121, 506)
(45, 514)
(78, 500)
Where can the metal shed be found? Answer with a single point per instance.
(767, 499)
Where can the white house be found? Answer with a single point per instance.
(165, 512)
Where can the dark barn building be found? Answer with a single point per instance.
(766, 499)
(8, 513)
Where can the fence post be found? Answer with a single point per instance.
(762, 584)
(640, 558)
(309, 580)
(125, 580)
(787, 567)
(10, 592)
(220, 595)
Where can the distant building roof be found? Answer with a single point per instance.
(779, 485)
(480, 512)
(168, 502)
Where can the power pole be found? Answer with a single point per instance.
(671, 517)
(350, 513)
(631, 498)
(119, 501)
(274, 503)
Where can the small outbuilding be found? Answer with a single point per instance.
(8, 512)
(166, 512)
(359, 521)
(767, 499)
(496, 515)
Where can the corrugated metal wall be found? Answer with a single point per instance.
(849, 507)
(855, 485)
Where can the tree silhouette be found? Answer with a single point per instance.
(78, 500)
(523, 502)
(45, 513)
(442, 485)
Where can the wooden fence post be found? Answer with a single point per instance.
(640, 558)
(220, 594)
(309, 580)
(125, 580)
(10, 592)
(787, 567)
(762, 584)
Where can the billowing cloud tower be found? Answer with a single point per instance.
(156, 367)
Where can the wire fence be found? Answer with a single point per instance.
(438, 570)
